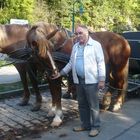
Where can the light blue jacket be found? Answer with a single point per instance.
(94, 64)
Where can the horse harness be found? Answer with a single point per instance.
(56, 55)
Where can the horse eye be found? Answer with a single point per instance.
(34, 43)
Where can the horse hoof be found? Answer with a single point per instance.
(36, 107)
(56, 124)
(50, 114)
(115, 108)
(23, 103)
(104, 107)
(57, 121)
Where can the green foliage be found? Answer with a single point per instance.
(40, 12)
(20, 9)
(113, 15)
(59, 12)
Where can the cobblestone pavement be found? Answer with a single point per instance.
(121, 125)
(18, 121)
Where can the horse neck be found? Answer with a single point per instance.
(67, 46)
(58, 40)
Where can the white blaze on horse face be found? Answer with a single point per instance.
(52, 63)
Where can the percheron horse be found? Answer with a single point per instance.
(43, 38)
(13, 43)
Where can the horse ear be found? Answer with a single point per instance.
(50, 35)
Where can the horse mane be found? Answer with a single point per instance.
(45, 35)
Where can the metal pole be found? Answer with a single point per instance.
(73, 13)
(73, 17)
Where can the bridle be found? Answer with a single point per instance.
(54, 53)
(61, 46)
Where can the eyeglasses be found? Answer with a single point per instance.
(78, 33)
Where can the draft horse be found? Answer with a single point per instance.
(13, 43)
(46, 37)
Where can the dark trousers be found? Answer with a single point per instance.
(88, 102)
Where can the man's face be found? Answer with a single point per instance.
(82, 35)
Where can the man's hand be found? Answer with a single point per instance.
(56, 76)
(101, 85)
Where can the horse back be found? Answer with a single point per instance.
(12, 34)
(116, 48)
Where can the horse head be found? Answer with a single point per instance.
(38, 39)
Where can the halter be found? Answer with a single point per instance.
(54, 56)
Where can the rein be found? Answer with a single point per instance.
(22, 54)
(59, 56)
(63, 44)
(113, 88)
(18, 56)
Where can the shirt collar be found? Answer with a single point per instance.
(89, 41)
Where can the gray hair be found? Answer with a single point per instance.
(83, 26)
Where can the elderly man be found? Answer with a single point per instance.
(88, 70)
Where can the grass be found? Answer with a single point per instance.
(15, 86)
(5, 63)
(10, 86)
(2, 63)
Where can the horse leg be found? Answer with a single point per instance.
(71, 93)
(72, 90)
(68, 94)
(120, 83)
(55, 89)
(32, 71)
(105, 102)
(21, 68)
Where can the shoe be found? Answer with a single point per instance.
(80, 128)
(94, 132)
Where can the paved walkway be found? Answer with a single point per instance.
(124, 125)
(18, 122)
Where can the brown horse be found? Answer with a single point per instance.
(13, 43)
(44, 37)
